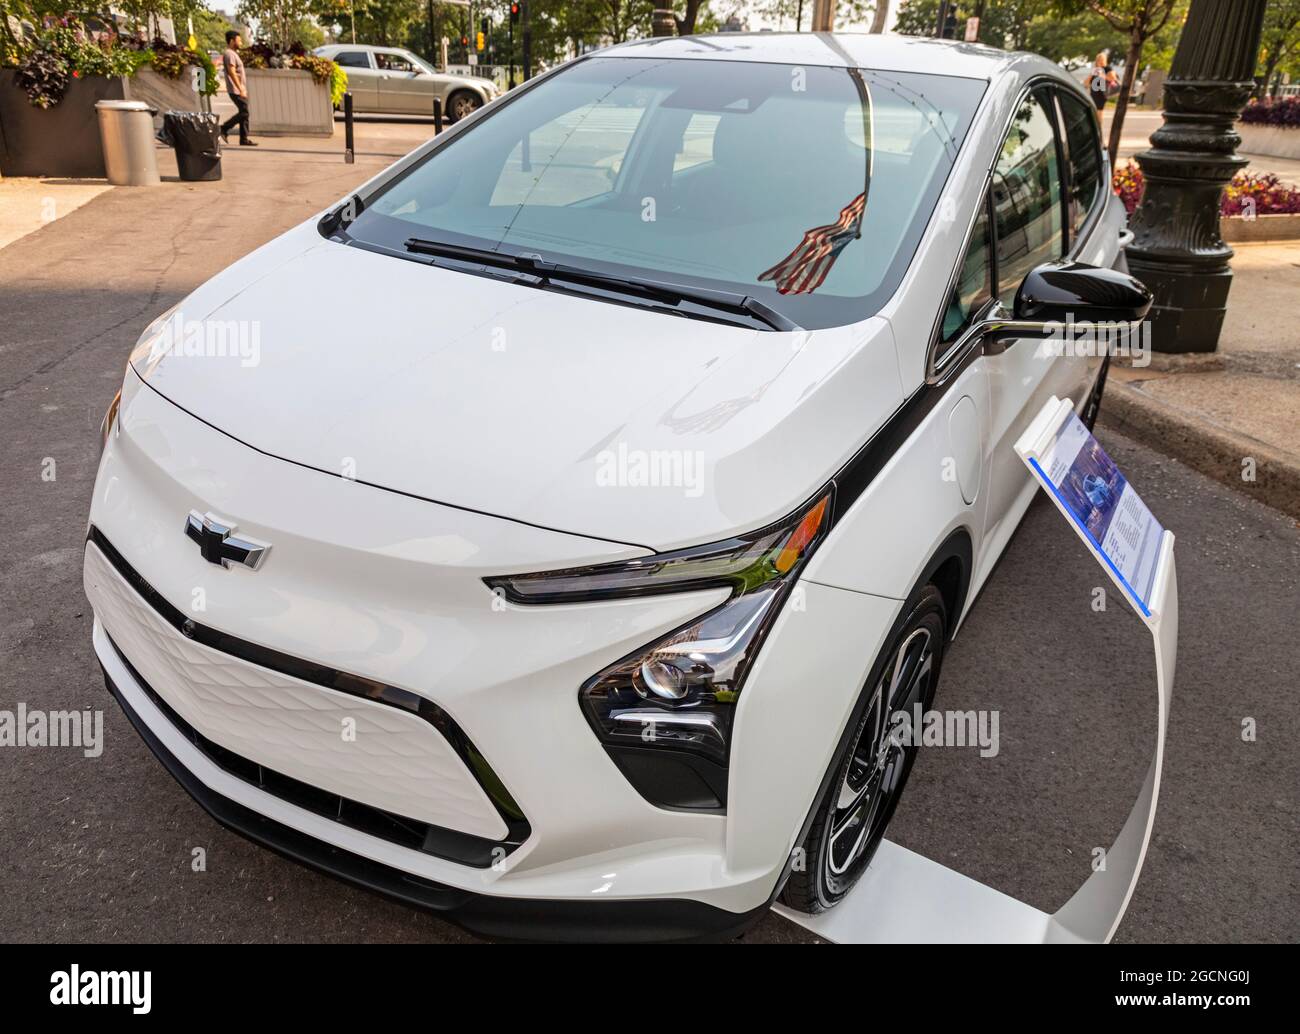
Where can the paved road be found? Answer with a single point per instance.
(101, 849)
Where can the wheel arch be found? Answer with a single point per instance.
(949, 570)
(829, 658)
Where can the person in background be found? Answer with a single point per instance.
(1098, 81)
(237, 88)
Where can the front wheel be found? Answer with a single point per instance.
(870, 774)
(463, 104)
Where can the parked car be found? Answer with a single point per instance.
(568, 573)
(395, 81)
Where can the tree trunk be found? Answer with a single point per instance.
(880, 16)
(1135, 44)
(1270, 66)
(686, 25)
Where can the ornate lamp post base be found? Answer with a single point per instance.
(1177, 249)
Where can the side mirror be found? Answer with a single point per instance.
(1068, 292)
(1060, 291)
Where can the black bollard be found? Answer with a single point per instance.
(437, 114)
(349, 154)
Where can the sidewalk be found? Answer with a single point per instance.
(27, 204)
(1139, 125)
(1235, 413)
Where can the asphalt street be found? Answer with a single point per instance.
(100, 849)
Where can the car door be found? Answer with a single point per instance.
(403, 89)
(363, 80)
(1031, 226)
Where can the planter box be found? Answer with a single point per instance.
(1274, 141)
(288, 102)
(58, 141)
(1237, 230)
(164, 94)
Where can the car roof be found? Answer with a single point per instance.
(889, 53)
(370, 47)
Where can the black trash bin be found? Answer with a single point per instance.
(194, 136)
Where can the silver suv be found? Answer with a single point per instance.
(395, 81)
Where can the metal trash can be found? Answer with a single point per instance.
(126, 133)
(194, 136)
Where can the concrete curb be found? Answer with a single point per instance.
(1205, 447)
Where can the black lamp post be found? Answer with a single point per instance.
(1177, 249)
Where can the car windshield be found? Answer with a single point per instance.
(420, 64)
(803, 187)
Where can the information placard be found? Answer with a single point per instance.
(1106, 508)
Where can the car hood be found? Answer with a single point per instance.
(556, 410)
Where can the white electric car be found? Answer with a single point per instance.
(547, 533)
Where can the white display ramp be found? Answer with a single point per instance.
(904, 897)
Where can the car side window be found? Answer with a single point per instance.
(1027, 198)
(393, 63)
(353, 59)
(974, 280)
(1085, 159)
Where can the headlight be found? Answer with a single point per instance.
(665, 712)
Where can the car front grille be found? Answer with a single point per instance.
(450, 844)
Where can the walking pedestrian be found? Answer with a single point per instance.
(1098, 80)
(237, 88)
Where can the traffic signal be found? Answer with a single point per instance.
(478, 42)
(514, 13)
(464, 41)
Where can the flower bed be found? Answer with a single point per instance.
(1281, 111)
(1247, 195)
(48, 95)
(65, 51)
(326, 72)
(1254, 207)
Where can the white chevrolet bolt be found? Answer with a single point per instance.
(548, 533)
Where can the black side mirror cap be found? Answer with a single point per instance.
(1060, 292)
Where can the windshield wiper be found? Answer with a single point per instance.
(533, 265)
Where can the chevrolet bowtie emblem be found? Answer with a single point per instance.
(219, 545)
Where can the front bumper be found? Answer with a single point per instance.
(591, 921)
(389, 589)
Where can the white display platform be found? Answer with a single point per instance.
(904, 897)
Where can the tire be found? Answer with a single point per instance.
(871, 771)
(1093, 406)
(462, 104)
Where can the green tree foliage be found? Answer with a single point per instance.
(1279, 49)
(210, 29)
(19, 19)
(281, 22)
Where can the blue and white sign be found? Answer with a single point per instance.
(1107, 509)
